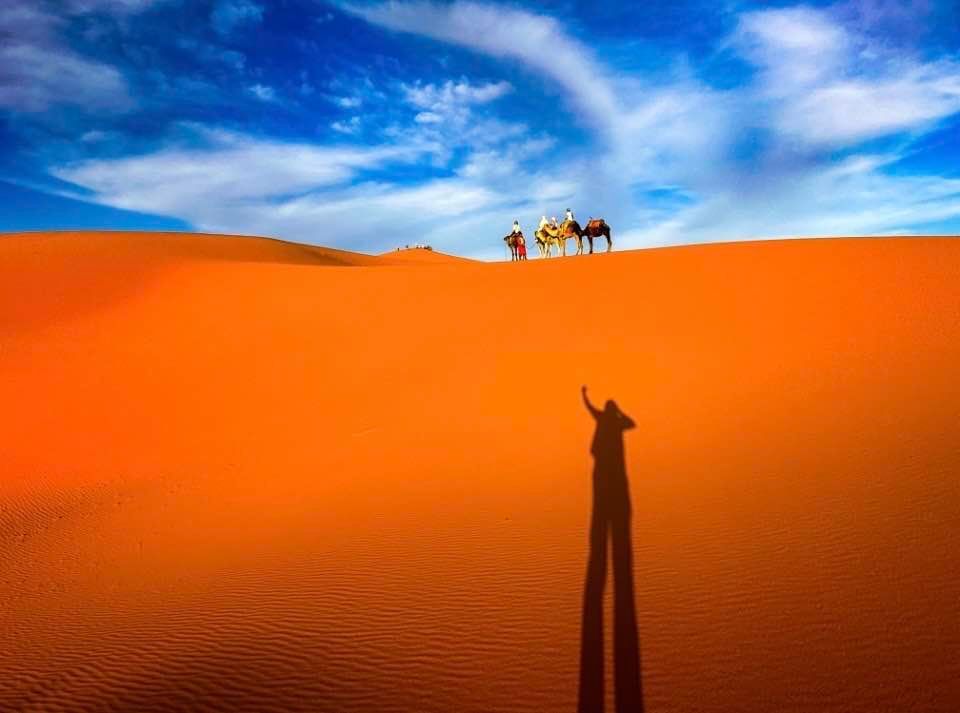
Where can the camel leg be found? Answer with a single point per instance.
(609, 243)
(590, 238)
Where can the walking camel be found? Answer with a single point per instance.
(549, 236)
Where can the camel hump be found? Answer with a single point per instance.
(595, 222)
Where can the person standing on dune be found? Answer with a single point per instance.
(516, 242)
(517, 234)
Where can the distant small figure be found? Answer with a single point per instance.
(569, 216)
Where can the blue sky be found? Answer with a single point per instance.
(366, 125)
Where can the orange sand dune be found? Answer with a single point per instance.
(245, 475)
(421, 257)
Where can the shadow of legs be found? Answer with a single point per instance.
(626, 645)
(591, 634)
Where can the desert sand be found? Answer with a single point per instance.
(239, 474)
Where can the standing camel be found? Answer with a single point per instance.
(571, 229)
(542, 241)
(546, 238)
(595, 228)
(513, 244)
(549, 236)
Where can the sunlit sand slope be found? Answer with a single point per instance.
(245, 475)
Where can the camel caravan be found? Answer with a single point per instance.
(550, 235)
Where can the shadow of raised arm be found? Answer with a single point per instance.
(594, 411)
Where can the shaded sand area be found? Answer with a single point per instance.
(244, 475)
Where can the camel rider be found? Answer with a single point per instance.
(516, 228)
(553, 222)
(543, 222)
(569, 217)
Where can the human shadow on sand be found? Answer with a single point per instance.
(609, 520)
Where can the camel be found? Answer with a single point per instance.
(548, 236)
(542, 243)
(571, 229)
(514, 241)
(513, 244)
(595, 228)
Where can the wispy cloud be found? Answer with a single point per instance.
(347, 126)
(40, 70)
(225, 169)
(831, 85)
(538, 41)
(229, 15)
(451, 103)
(263, 93)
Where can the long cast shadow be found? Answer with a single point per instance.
(609, 520)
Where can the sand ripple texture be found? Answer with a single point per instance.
(240, 475)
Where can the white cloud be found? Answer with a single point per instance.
(450, 95)
(796, 47)
(95, 136)
(38, 70)
(832, 85)
(538, 41)
(643, 130)
(849, 199)
(263, 93)
(37, 77)
(226, 170)
(238, 184)
(228, 15)
(450, 104)
(348, 126)
(428, 117)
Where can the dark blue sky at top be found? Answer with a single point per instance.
(330, 76)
